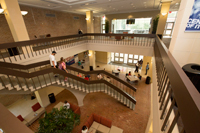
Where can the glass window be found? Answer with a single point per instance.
(135, 61)
(121, 59)
(130, 61)
(116, 54)
(112, 57)
(116, 59)
(141, 57)
(130, 56)
(135, 56)
(121, 55)
(125, 58)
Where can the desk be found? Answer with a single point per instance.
(133, 78)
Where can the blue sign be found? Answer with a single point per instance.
(194, 20)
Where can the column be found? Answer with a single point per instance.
(185, 46)
(15, 20)
(42, 97)
(89, 21)
(92, 58)
(163, 17)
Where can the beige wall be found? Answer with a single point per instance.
(37, 23)
(102, 57)
(81, 56)
(145, 14)
(42, 97)
(145, 60)
(185, 46)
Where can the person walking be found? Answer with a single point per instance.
(80, 31)
(147, 68)
(53, 61)
(62, 66)
(137, 66)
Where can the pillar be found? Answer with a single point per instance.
(185, 46)
(89, 21)
(15, 20)
(92, 58)
(163, 17)
(42, 97)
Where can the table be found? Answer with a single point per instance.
(59, 105)
(133, 78)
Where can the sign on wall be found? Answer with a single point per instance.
(193, 24)
(76, 18)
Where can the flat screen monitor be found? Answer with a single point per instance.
(130, 21)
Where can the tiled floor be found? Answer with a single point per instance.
(131, 121)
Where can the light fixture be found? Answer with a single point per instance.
(1, 10)
(89, 54)
(164, 14)
(24, 13)
(86, 18)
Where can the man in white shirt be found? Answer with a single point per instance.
(66, 104)
(53, 59)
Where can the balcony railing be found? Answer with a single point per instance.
(176, 92)
(11, 52)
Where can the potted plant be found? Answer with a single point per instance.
(107, 26)
(155, 24)
(59, 121)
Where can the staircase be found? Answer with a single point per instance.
(22, 79)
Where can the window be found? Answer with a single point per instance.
(141, 57)
(135, 56)
(112, 56)
(125, 58)
(116, 59)
(121, 55)
(121, 59)
(130, 56)
(130, 61)
(116, 54)
(135, 61)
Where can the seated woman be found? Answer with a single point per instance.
(66, 104)
(62, 66)
(99, 76)
(79, 75)
(86, 78)
(79, 62)
(85, 129)
(129, 74)
(139, 76)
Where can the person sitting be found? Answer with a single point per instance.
(99, 76)
(86, 78)
(129, 74)
(66, 104)
(139, 76)
(79, 62)
(85, 129)
(79, 75)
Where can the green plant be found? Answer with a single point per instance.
(107, 26)
(155, 24)
(59, 121)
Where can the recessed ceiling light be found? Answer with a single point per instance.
(177, 3)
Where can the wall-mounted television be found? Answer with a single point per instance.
(130, 21)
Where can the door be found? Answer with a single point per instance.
(168, 29)
(103, 28)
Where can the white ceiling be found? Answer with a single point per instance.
(100, 7)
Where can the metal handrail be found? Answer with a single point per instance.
(185, 94)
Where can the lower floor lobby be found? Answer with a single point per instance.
(131, 121)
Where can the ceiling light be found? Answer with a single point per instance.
(24, 13)
(177, 3)
(86, 18)
(1, 10)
